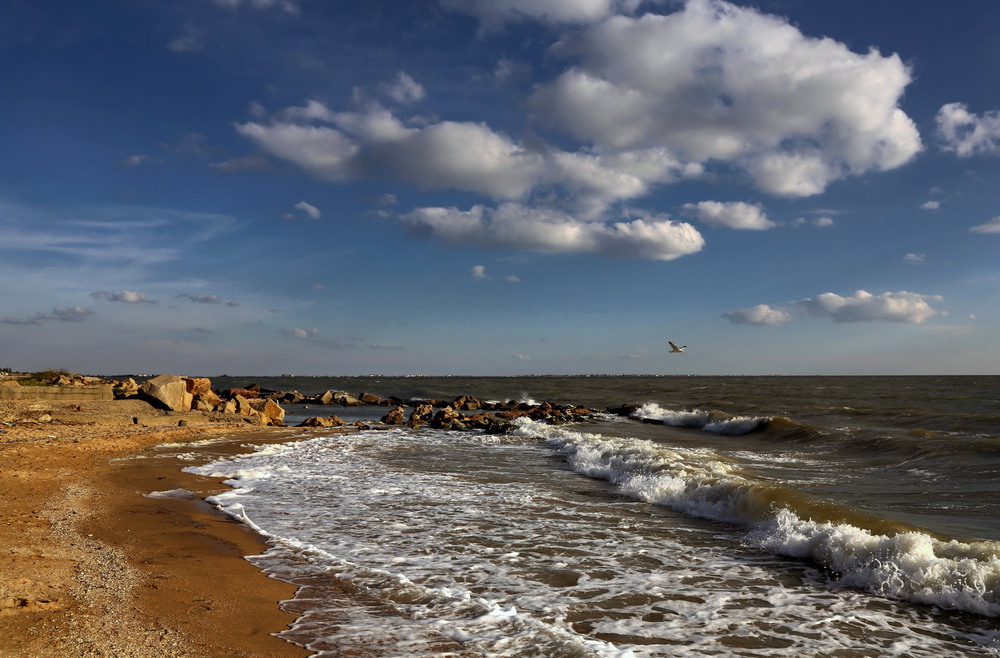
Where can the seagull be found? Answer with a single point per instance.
(674, 348)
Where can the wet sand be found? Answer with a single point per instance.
(89, 566)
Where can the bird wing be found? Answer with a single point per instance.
(672, 346)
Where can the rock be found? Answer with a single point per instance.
(315, 421)
(445, 419)
(422, 411)
(326, 398)
(169, 391)
(467, 402)
(270, 411)
(369, 398)
(207, 401)
(198, 385)
(395, 416)
(347, 400)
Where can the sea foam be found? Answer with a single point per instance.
(911, 566)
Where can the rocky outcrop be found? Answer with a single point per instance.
(167, 392)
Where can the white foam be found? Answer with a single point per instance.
(708, 421)
(495, 547)
(180, 494)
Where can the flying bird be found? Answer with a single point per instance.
(674, 348)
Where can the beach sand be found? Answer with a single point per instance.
(89, 566)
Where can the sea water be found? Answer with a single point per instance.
(725, 517)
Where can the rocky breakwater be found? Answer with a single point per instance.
(464, 413)
(178, 393)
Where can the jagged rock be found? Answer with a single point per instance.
(315, 421)
(198, 385)
(422, 411)
(369, 398)
(326, 398)
(466, 402)
(242, 404)
(169, 391)
(246, 393)
(394, 417)
(347, 400)
(269, 410)
(445, 418)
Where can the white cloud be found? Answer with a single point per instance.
(824, 222)
(305, 333)
(309, 209)
(762, 314)
(320, 150)
(967, 134)
(992, 226)
(915, 259)
(479, 272)
(735, 214)
(126, 296)
(493, 13)
(719, 83)
(404, 89)
(930, 205)
(863, 306)
(517, 226)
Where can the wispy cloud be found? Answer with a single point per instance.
(58, 314)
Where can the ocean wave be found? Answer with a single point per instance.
(716, 422)
(884, 557)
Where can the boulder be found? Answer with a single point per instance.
(370, 398)
(315, 421)
(347, 400)
(445, 418)
(198, 385)
(396, 416)
(169, 391)
(269, 410)
(422, 411)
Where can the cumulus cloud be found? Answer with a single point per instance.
(517, 226)
(404, 89)
(305, 333)
(992, 226)
(126, 296)
(493, 13)
(967, 134)
(58, 314)
(862, 306)
(719, 83)
(761, 314)
(930, 205)
(735, 214)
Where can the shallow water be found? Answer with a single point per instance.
(729, 516)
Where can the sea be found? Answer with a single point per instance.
(726, 516)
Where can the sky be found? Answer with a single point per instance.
(500, 187)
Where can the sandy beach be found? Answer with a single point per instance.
(92, 567)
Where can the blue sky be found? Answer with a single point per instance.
(497, 187)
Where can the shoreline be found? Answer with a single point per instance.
(92, 567)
